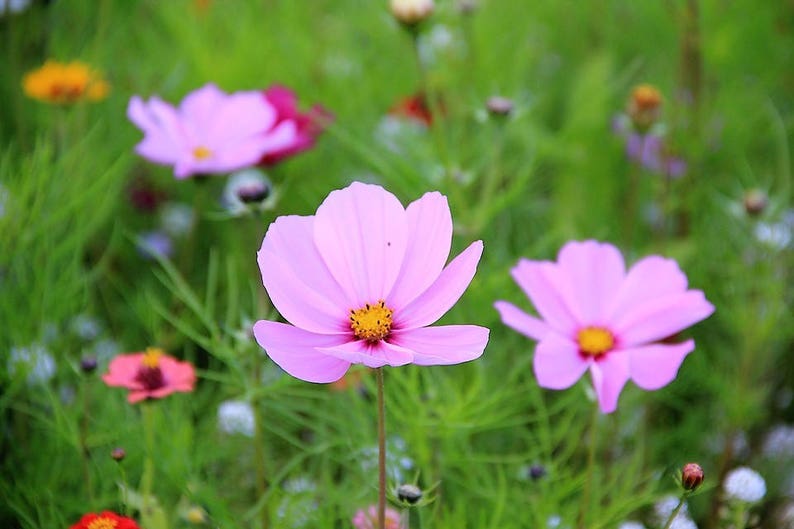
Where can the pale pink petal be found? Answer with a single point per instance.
(295, 351)
(295, 276)
(609, 373)
(661, 318)
(373, 355)
(443, 345)
(543, 283)
(177, 374)
(122, 370)
(202, 105)
(159, 143)
(654, 366)
(430, 239)
(520, 321)
(557, 363)
(137, 396)
(240, 116)
(594, 272)
(651, 277)
(167, 119)
(443, 293)
(361, 232)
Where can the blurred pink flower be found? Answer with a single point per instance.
(360, 280)
(149, 375)
(369, 519)
(211, 131)
(596, 315)
(309, 124)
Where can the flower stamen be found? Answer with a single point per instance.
(149, 375)
(371, 322)
(595, 341)
(201, 153)
(103, 523)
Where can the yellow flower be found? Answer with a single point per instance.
(57, 82)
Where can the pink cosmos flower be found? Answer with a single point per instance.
(149, 375)
(596, 315)
(359, 282)
(309, 124)
(211, 131)
(368, 519)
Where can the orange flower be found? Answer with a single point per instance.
(61, 83)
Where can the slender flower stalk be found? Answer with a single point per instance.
(85, 455)
(381, 451)
(590, 472)
(676, 510)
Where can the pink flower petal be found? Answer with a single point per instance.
(443, 293)
(430, 229)
(594, 271)
(371, 355)
(296, 351)
(557, 363)
(295, 276)
(609, 373)
(137, 396)
(361, 232)
(443, 345)
(651, 277)
(654, 366)
(543, 283)
(520, 321)
(661, 318)
(122, 370)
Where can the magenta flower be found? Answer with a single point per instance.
(596, 315)
(211, 131)
(149, 375)
(360, 281)
(309, 124)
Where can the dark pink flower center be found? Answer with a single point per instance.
(149, 374)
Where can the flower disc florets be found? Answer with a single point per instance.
(371, 322)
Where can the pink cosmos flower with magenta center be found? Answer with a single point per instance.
(149, 375)
(361, 280)
(596, 315)
(368, 519)
(211, 131)
(309, 124)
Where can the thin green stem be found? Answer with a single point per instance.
(259, 454)
(676, 511)
(84, 454)
(124, 487)
(381, 451)
(590, 471)
(148, 468)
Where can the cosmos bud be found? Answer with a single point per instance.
(118, 454)
(411, 12)
(499, 106)
(755, 202)
(409, 493)
(644, 106)
(691, 476)
(88, 364)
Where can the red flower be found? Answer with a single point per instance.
(105, 520)
(309, 124)
(413, 107)
(151, 375)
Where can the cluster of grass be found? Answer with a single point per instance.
(549, 172)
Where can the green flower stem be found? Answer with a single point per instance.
(83, 433)
(590, 472)
(123, 489)
(259, 455)
(381, 451)
(147, 410)
(676, 511)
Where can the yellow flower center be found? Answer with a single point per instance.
(103, 523)
(201, 153)
(151, 358)
(595, 341)
(371, 322)
(646, 97)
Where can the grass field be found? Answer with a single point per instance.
(662, 128)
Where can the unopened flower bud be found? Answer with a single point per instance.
(755, 202)
(499, 106)
(118, 454)
(411, 12)
(536, 472)
(88, 364)
(644, 106)
(409, 493)
(691, 476)
(467, 7)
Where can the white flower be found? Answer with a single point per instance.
(177, 219)
(779, 442)
(33, 361)
(236, 416)
(13, 6)
(411, 11)
(86, 327)
(631, 525)
(744, 484)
